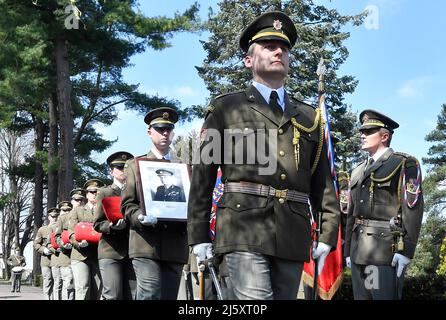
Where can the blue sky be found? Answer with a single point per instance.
(399, 65)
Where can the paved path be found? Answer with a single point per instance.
(26, 292)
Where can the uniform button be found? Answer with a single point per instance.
(280, 131)
(361, 201)
(361, 231)
(283, 176)
(281, 200)
(309, 135)
(238, 205)
(246, 129)
(363, 186)
(165, 226)
(382, 233)
(281, 153)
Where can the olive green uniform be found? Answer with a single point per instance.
(254, 223)
(41, 242)
(377, 195)
(113, 245)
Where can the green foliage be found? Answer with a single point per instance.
(319, 36)
(441, 270)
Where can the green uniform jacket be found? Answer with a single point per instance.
(254, 223)
(166, 241)
(61, 225)
(77, 253)
(114, 243)
(372, 245)
(40, 242)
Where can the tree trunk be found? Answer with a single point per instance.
(52, 154)
(66, 124)
(38, 190)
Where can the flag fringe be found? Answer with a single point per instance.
(324, 295)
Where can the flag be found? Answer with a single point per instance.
(330, 278)
(216, 195)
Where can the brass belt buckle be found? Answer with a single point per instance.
(281, 193)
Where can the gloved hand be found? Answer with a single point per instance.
(320, 253)
(147, 220)
(202, 251)
(348, 263)
(400, 262)
(118, 225)
(46, 251)
(67, 246)
(83, 243)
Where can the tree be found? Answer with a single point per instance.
(319, 36)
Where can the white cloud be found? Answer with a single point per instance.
(414, 88)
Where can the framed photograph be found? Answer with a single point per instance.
(163, 187)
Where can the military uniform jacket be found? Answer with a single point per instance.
(255, 223)
(113, 243)
(172, 193)
(61, 225)
(377, 193)
(90, 252)
(166, 241)
(40, 242)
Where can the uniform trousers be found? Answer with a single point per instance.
(376, 283)
(47, 282)
(87, 279)
(256, 276)
(118, 279)
(156, 280)
(67, 283)
(57, 282)
(16, 278)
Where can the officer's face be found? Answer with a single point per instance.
(161, 137)
(269, 60)
(373, 139)
(91, 196)
(118, 173)
(76, 202)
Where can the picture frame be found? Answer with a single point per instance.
(163, 188)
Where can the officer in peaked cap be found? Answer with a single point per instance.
(118, 159)
(371, 119)
(158, 249)
(118, 276)
(276, 198)
(384, 213)
(54, 212)
(274, 25)
(168, 191)
(64, 259)
(93, 185)
(78, 197)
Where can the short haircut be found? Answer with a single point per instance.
(382, 131)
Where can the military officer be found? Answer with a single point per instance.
(263, 223)
(385, 213)
(84, 255)
(65, 248)
(158, 249)
(17, 262)
(41, 242)
(118, 276)
(168, 191)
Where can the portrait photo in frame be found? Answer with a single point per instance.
(163, 187)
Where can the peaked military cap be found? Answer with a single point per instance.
(53, 212)
(118, 159)
(93, 184)
(373, 119)
(77, 194)
(65, 205)
(161, 117)
(274, 25)
(164, 172)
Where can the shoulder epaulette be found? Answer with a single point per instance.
(228, 94)
(410, 160)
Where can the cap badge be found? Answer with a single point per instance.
(124, 157)
(277, 24)
(166, 115)
(365, 118)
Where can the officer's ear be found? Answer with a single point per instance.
(247, 60)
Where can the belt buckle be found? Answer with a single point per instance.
(281, 193)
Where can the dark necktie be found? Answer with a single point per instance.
(274, 104)
(369, 163)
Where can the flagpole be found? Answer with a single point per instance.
(321, 71)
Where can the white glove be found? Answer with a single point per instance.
(400, 262)
(202, 251)
(348, 263)
(83, 244)
(67, 246)
(46, 251)
(147, 220)
(319, 254)
(118, 225)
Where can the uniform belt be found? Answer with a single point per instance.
(372, 223)
(265, 191)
